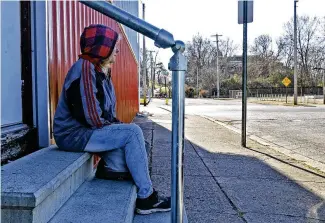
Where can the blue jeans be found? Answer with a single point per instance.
(111, 140)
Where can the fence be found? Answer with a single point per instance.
(306, 99)
(253, 92)
(235, 93)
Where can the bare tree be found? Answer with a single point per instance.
(154, 69)
(200, 55)
(227, 50)
(262, 57)
(268, 60)
(147, 67)
(309, 47)
(263, 47)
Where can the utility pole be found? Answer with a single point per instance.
(324, 86)
(295, 81)
(218, 76)
(152, 72)
(197, 81)
(144, 63)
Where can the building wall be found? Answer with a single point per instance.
(18, 135)
(66, 21)
(11, 102)
(131, 7)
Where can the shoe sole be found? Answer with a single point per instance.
(115, 177)
(151, 211)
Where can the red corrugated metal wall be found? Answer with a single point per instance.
(66, 21)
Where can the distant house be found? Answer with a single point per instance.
(40, 41)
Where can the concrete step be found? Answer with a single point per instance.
(36, 186)
(98, 201)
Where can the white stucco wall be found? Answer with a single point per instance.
(11, 104)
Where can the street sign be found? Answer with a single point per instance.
(286, 81)
(241, 19)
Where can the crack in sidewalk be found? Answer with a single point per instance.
(239, 213)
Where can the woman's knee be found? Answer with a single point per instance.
(135, 128)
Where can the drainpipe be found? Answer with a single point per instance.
(178, 66)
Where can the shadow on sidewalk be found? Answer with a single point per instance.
(228, 187)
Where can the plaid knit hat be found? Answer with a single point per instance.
(97, 43)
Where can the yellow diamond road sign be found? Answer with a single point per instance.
(286, 81)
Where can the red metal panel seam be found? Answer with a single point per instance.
(65, 40)
(57, 55)
(61, 46)
(69, 37)
(73, 30)
(51, 58)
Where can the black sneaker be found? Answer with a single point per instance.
(152, 204)
(103, 173)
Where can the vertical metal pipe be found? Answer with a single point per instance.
(244, 82)
(178, 66)
(178, 146)
(295, 81)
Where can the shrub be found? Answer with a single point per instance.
(204, 93)
(189, 92)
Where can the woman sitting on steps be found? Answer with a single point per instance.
(85, 118)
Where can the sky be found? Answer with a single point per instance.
(185, 18)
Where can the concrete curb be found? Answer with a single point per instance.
(307, 161)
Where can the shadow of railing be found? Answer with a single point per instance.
(228, 187)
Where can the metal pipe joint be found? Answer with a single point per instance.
(178, 62)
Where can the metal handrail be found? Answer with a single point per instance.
(162, 38)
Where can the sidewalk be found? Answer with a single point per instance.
(227, 183)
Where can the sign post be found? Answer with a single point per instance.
(286, 95)
(245, 15)
(286, 82)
